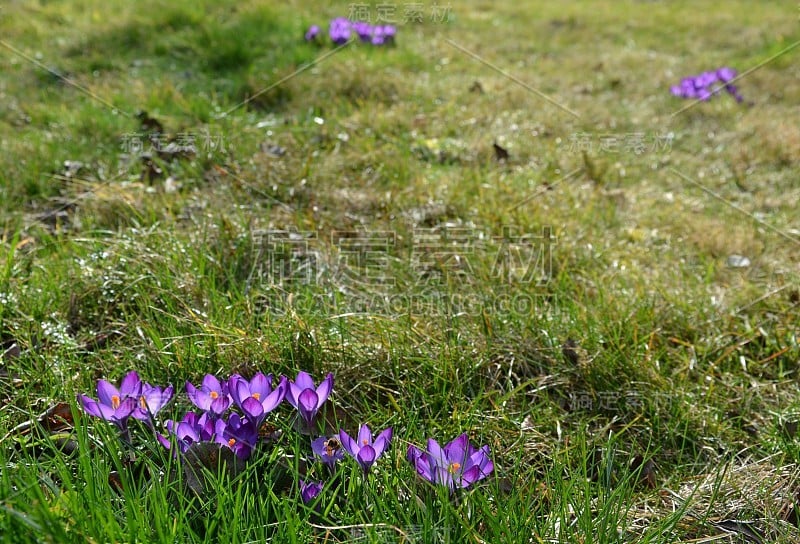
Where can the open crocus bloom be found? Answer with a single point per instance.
(151, 400)
(256, 398)
(114, 405)
(212, 396)
(458, 465)
(304, 395)
(363, 449)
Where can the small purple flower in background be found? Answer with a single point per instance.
(328, 450)
(115, 405)
(701, 86)
(238, 433)
(151, 400)
(458, 465)
(212, 396)
(726, 74)
(312, 33)
(306, 397)
(339, 30)
(309, 490)
(383, 35)
(364, 30)
(363, 449)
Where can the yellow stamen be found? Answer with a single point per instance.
(256, 396)
(115, 401)
(213, 394)
(454, 467)
(143, 402)
(231, 442)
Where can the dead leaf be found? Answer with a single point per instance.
(151, 171)
(476, 87)
(647, 471)
(149, 124)
(500, 153)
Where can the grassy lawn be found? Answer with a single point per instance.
(503, 224)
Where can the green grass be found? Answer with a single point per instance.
(632, 343)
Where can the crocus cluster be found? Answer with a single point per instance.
(457, 465)
(254, 399)
(706, 85)
(342, 29)
(232, 411)
(134, 398)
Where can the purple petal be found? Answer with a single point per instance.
(304, 381)
(366, 456)
(470, 476)
(237, 394)
(164, 441)
(262, 385)
(271, 401)
(307, 404)
(382, 442)
(442, 476)
(309, 490)
(211, 383)
(252, 408)
(192, 393)
(106, 393)
(293, 393)
(436, 452)
(456, 450)
(219, 404)
(423, 467)
(324, 389)
(412, 453)
(348, 443)
(125, 409)
(94, 408)
(318, 446)
(131, 385)
(364, 436)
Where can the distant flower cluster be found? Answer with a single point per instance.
(341, 30)
(232, 412)
(706, 85)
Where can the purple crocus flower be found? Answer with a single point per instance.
(256, 398)
(238, 433)
(192, 428)
(307, 397)
(701, 86)
(363, 30)
(309, 490)
(312, 33)
(328, 450)
(114, 405)
(212, 396)
(339, 30)
(726, 74)
(377, 37)
(383, 35)
(363, 449)
(151, 400)
(458, 465)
